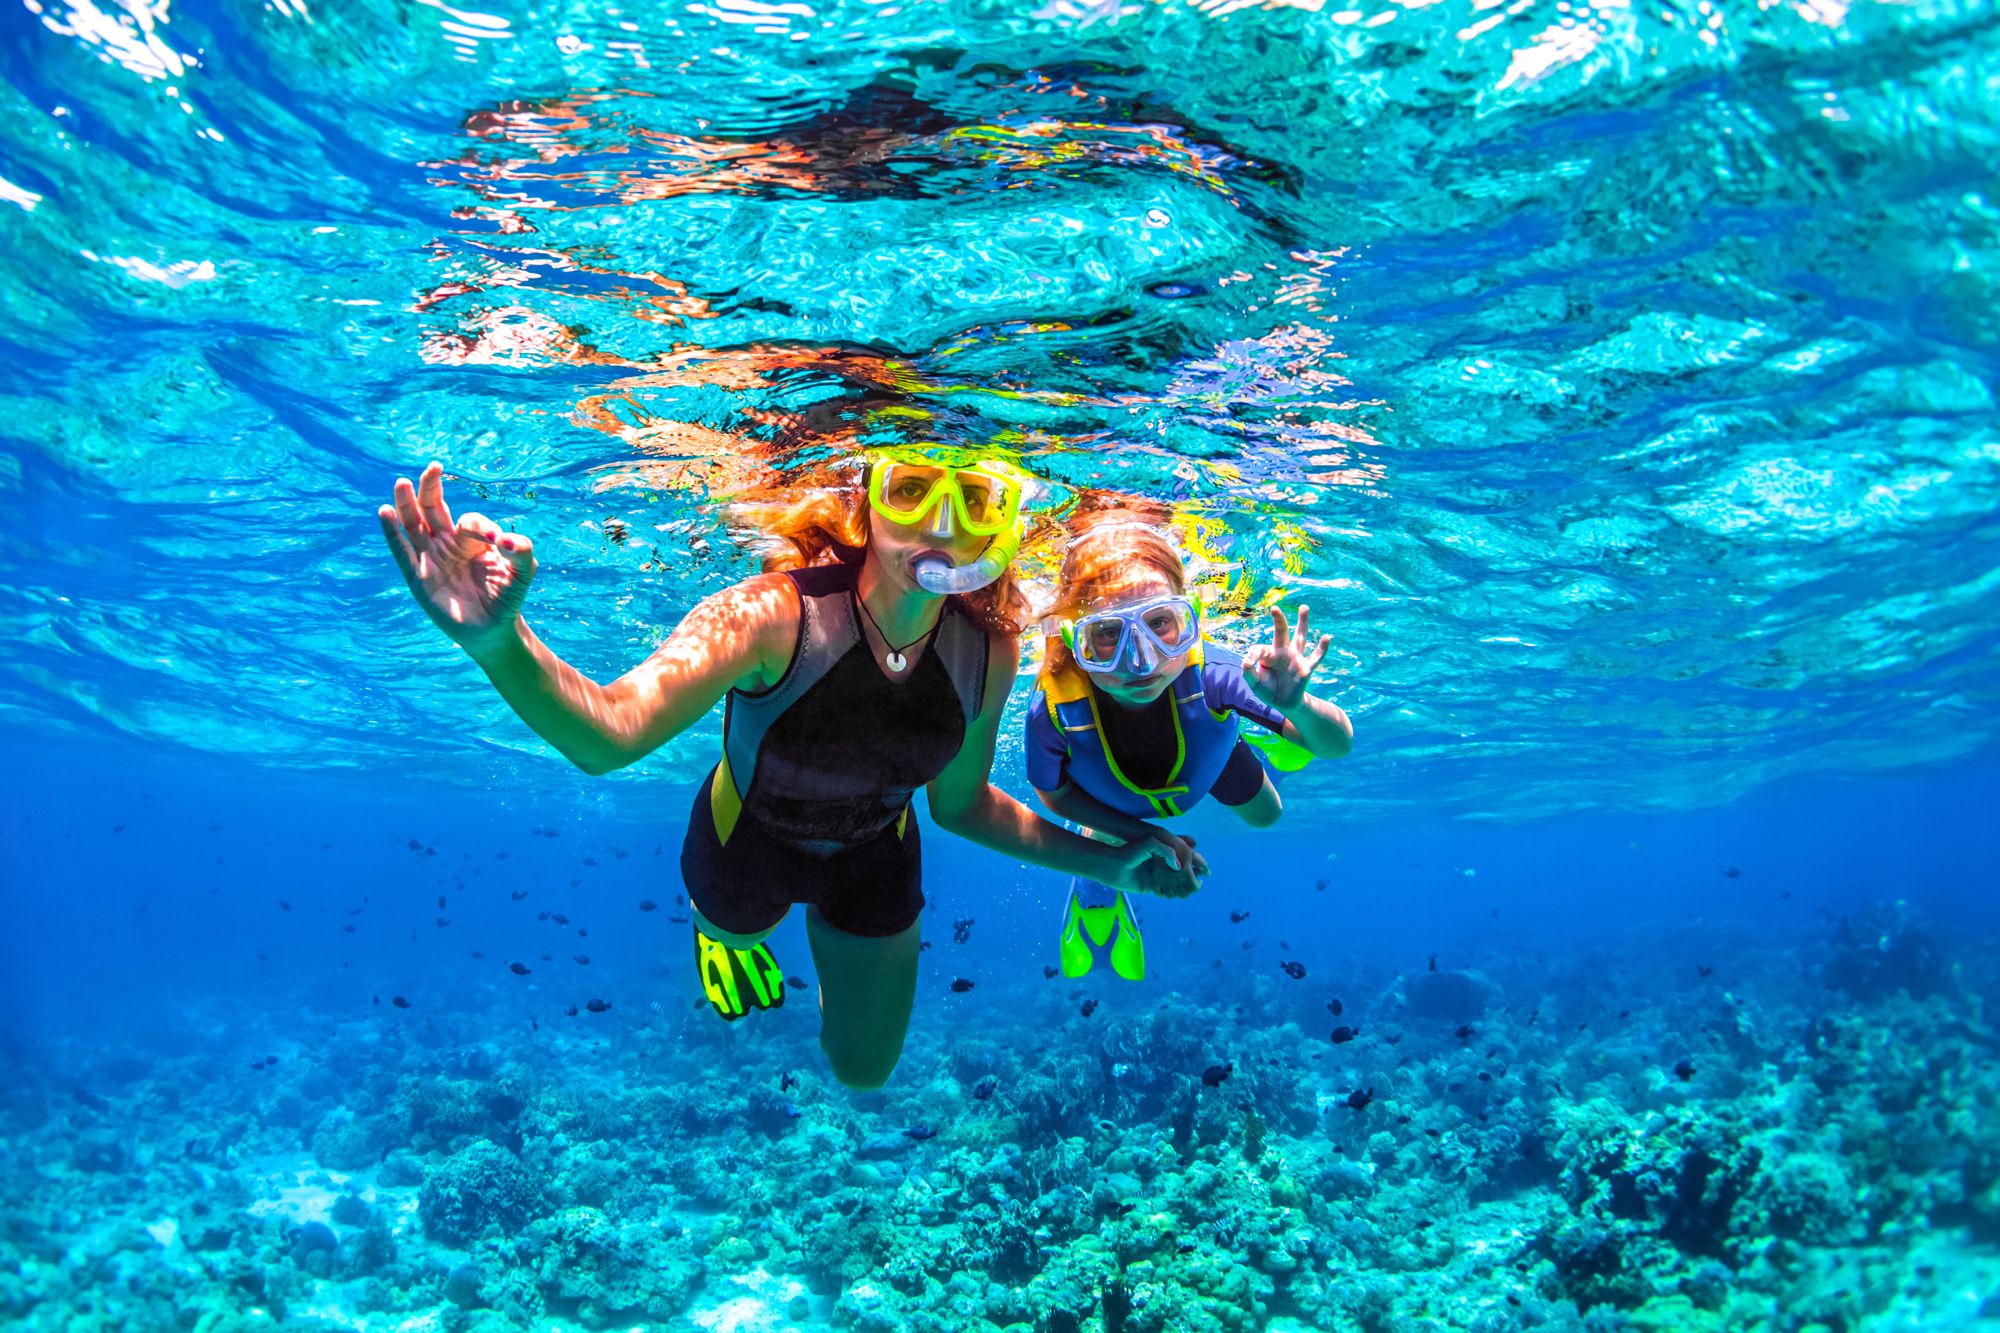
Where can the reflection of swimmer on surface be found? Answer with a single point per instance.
(1137, 716)
(852, 680)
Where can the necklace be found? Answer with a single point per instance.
(893, 658)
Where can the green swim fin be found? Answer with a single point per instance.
(738, 980)
(1089, 931)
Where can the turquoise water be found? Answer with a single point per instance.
(1613, 381)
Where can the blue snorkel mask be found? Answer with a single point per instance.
(1133, 640)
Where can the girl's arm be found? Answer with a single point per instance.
(1319, 726)
(965, 801)
(741, 636)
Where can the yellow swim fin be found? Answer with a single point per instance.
(738, 980)
(1090, 931)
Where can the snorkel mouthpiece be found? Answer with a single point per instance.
(936, 574)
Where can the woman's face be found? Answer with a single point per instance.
(1134, 583)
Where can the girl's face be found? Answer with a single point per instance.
(1145, 674)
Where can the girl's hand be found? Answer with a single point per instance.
(469, 577)
(1277, 672)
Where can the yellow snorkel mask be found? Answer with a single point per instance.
(942, 485)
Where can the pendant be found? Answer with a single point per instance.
(896, 661)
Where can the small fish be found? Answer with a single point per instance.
(582, 958)
(590, 860)
(792, 1111)
(1213, 1075)
(1393, 1038)
(443, 921)
(518, 894)
(284, 906)
(1294, 969)
(348, 928)
(787, 1081)
(920, 1132)
(356, 911)
(1707, 971)
(961, 930)
(1344, 1034)
(572, 1011)
(648, 905)
(1047, 972)
(378, 999)
(440, 902)
(519, 969)
(535, 1023)
(678, 918)
(399, 1002)
(796, 983)
(985, 1088)
(1732, 873)
(960, 985)
(1358, 1100)
(1434, 962)
(1320, 884)
(1238, 917)
(1087, 1008)
(479, 953)
(597, 1006)
(560, 919)
(1685, 1068)
(1334, 1007)
(1463, 1032)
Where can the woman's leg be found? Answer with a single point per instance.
(721, 936)
(868, 986)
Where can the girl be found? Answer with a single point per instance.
(1136, 715)
(873, 657)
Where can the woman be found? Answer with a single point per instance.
(1136, 714)
(873, 657)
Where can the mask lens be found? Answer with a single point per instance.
(987, 500)
(1172, 624)
(1098, 641)
(905, 488)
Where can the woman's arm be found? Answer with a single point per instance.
(965, 801)
(741, 636)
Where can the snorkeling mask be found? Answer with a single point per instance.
(1102, 641)
(981, 495)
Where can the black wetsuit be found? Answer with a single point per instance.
(811, 803)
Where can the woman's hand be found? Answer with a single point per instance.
(1277, 672)
(1161, 864)
(469, 577)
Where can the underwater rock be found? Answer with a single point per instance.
(343, 1141)
(1444, 997)
(482, 1186)
(1807, 1196)
(1881, 949)
(461, 1286)
(611, 1275)
(444, 1112)
(100, 1154)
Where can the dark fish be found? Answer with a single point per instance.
(284, 906)
(796, 983)
(399, 1002)
(535, 1023)
(1213, 1075)
(919, 1132)
(498, 856)
(378, 999)
(560, 919)
(356, 911)
(443, 921)
(1087, 1008)
(1294, 969)
(1402, 1120)
(1320, 884)
(961, 930)
(1047, 971)
(414, 845)
(787, 1081)
(1238, 917)
(1358, 1100)
(572, 1011)
(597, 1006)
(1685, 1069)
(542, 915)
(440, 902)
(648, 905)
(1434, 962)
(1393, 1038)
(1707, 971)
(582, 958)
(679, 919)
(1333, 1007)
(1732, 873)
(590, 860)
(1344, 1034)
(985, 1088)
(960, 985)
(348, 928)
(479, 953)
(519, 969)
(518, 894)
(581, 933)
(547, 958)
(1463, 1032)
